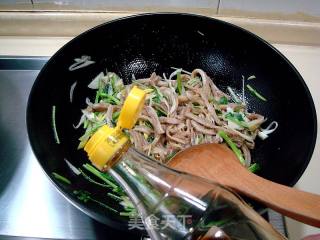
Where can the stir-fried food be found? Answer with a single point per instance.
(181, 110)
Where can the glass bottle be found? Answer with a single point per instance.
(172, 204)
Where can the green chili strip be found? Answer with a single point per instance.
(85, 197)
(171, 155)
(179, 83)
(115, 116)
(128, 214)
(61, 178)
(100, 175)
(93, 181)
(158, 95)
(148, 124)
(160, 111)
(125, 214)
(194, 81)
(255, 93)
(110, 98)
(104, 205)
(113, 84)
(85, 123)
(223, 100)
(236, 121)
(100, 89)
(233, 146)
(115, 197)
(254, 167)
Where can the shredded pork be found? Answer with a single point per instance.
(180, 111)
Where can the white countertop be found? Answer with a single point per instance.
(305, 58)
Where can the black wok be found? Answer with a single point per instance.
(143, 44)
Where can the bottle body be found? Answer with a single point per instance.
(174, 205)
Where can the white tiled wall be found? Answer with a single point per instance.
(287, 7)
(302, 10)
(125, 4)
(15, 4)
(14, 1)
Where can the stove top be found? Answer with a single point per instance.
(30, 206)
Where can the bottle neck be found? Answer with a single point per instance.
(138, 175)
(117, 157)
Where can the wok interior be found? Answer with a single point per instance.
(154, 43)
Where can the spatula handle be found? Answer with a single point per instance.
(218, 163)
(299, 205)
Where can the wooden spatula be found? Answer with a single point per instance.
(218, 163)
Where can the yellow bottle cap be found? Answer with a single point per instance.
(107, 142)
(131, 108)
